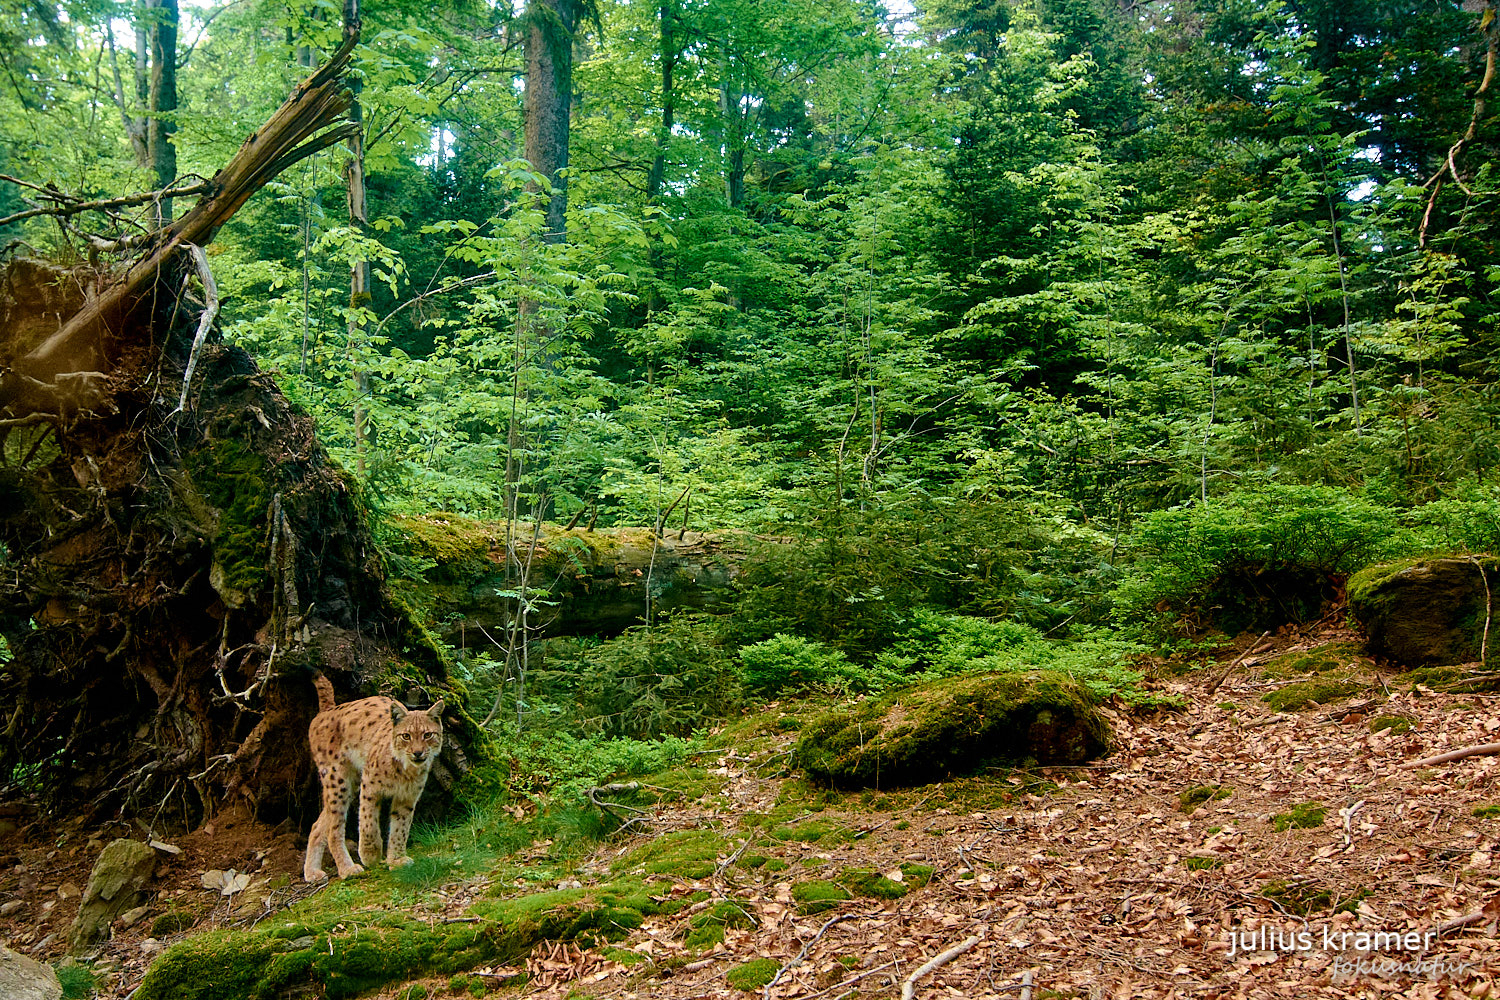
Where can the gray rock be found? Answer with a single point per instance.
(116, 885)
(12, 907)
(22, 978)
(132, 916)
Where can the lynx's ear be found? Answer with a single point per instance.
(436, 711)
(397, 712)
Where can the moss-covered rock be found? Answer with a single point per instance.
(1426, 612)
(1451, 680)
(926, 733)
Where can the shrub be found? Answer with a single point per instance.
(1253, 559)
(788, 661)
(666, 679)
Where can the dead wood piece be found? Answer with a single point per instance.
(1482, 750)
(909, 988)
(1254, 647)
(805, 949)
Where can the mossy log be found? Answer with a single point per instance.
(589, 582)
(952, 727)
(172, 573)
(1429, 612)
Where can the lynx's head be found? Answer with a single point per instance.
(417, 736)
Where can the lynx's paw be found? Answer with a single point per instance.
(314, 875)
(400, 862)
(353, 871)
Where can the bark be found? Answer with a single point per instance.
(669, 55)
(549, 100)
(161, 122)
(173, 574)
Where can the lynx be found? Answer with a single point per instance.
(377, 744)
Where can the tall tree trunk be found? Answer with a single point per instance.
(549, 100)
(359, 270)
(163, 104)
(669, 55)
(730, 99)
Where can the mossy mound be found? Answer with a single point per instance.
(1392, 725)
(957, 725)
(1426, 612)
(347, 954)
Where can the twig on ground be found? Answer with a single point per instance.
(1224, 675)
(1483, 750)
(805, 949)
(909, 988)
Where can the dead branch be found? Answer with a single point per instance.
(67, 205)
(210, 310)
(1253, 647)
(1450, 166)
(1482, 750)
(909, 988)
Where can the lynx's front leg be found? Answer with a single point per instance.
(401, 812)
(370, 847)
(338, 783)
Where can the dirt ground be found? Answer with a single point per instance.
(1096, 884)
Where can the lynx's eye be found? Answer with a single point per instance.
(431, 737)
(406, 737)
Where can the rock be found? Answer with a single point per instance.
(67, 890)
(22, 978)
(116, 885)
(151, 946)
(132, 916)
(1427, 612)
(929, 732)
(12, 907)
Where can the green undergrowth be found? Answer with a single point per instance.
(1303, 816)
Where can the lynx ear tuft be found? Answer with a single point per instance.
(436, 711)
(397, 712)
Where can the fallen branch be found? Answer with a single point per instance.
(1252, 648)
(71, 206)
(909, 988)
(1483, 750)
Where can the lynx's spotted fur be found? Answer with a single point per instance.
(385, 750)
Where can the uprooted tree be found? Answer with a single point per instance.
(178, 549)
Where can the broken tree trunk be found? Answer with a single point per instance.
(179, 551)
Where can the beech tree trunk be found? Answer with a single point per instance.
(669, 55)
(359, 270)
(549, 100)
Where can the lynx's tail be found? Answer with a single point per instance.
(325, 691)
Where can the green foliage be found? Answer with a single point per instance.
(78, 981)
(785, 662)
(666, 679)
(1251, 560)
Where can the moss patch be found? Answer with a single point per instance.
(350, 952)
(1304, 816)
(753, 975)
(1311, 693)
(872, 884)
(917, 876)
(685, 853)
(818, 895)
(1394, 725)
(1451, 680)
(233, 479)
(1191, 798)
(954, 726)
(1300, 898)
(1330, 658)
(172, 922)
(1201, 864)
(1487, 812)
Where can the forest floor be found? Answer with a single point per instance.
(1088, 881)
